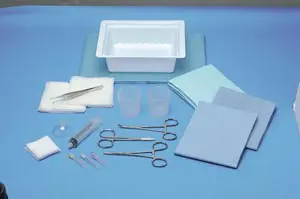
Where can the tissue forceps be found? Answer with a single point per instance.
(156, 162)
(169, 136)
(108, 141)
(75, 94)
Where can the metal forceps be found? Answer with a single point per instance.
(169, 136)
(156, 162)
(75, 94)
(108, 141)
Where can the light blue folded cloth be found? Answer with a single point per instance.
(242, 101)
(216, 134)
(93, 66)
(201, 84)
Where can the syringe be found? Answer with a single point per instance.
(84, 133)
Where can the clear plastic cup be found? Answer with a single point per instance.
(61, 130)
(130, 99)
(158, 101)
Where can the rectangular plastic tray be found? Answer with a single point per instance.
(92, 66)
(141, 46)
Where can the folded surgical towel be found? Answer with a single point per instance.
(42, 148)
(242, 101)
(216, 134)
(100, 98)
(54, 89)
(200, 85)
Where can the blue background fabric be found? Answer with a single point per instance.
(217, 134)
(242, 101)
(257, 48)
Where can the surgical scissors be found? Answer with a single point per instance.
(169, 136)
(75, 94)
(108, 141)
(156, 162)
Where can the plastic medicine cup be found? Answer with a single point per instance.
(158, 98)
(130, 99)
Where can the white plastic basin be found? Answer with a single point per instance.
(141, 46)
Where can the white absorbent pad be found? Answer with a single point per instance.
(42, 148)
(54, 89)
(99, 98)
